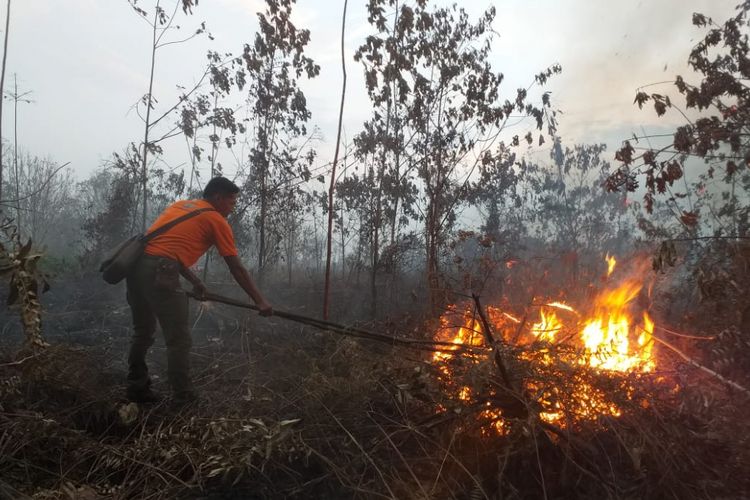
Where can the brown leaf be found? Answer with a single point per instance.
(640, 98)
(690, 219)
(674, 171)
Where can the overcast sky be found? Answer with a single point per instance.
(86, 63)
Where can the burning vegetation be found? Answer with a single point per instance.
(565, 397)
(611, 337)
(577, 374)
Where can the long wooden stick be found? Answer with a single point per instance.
(425, 345)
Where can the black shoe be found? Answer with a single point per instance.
(143, 396)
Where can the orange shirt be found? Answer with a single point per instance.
(190, 239)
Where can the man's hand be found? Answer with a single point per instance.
(265, 309)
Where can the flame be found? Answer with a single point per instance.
(606, 338)
(511, 317)
(607, 335)
(561, 305)
(547, 327)
(611, 263)
(469, 333)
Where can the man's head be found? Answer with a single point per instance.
(222, 194)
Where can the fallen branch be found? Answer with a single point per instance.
(19, 362)
(691, 361)
(491, 341)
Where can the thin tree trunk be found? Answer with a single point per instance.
(396, 198)
(397, 152)
(15, 152)
(375, 260)
(290, 250)
(214, 144)
(378, 220)
(358, 264)
(2, 87)
(327, 288)
(144, 172)
(192, 156)
(214, 152)
(317, 241)
(433, 223)
(265, 137)
(735, 224)
(262, 228)
(343, 242)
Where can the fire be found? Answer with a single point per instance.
(607, 335)
(547, 327)
(469, 331)
(610, 337)
(611, 263)
(561, 305)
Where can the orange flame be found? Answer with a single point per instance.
(607, 338)
(611, 263)
(607, 335)
(547, 327)
(561, 305)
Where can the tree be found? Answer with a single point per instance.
(112, 195)
(107, 200)
(569, 207)
(46, 198)
(500, 193)
(17, 97)
(451, 111)
(329, 244)
(208, 110)
(275, 62)
(161, 24)
(290, 224)
(2, 86)
(718, 136)
(385, 58)
(360, 194)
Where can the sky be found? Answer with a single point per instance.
(85, 63)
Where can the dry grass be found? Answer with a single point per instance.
(326, 417)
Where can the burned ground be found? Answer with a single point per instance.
(290, 411)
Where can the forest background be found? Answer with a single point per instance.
(395, 158)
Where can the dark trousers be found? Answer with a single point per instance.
(154, 294)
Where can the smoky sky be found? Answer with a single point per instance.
(86, 65)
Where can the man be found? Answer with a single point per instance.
(154, 291)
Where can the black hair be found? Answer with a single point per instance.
(220, 185)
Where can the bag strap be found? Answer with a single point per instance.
(169, 225)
